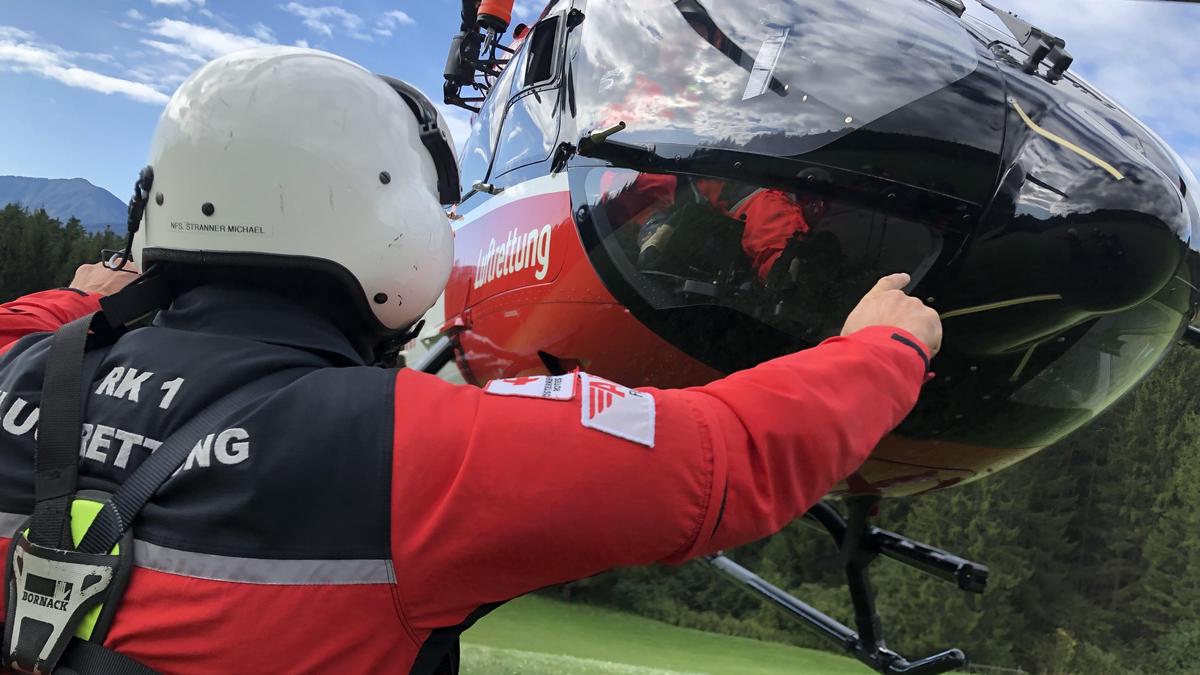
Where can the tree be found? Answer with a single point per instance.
(38, 252)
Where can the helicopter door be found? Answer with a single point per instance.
(475, 163)
(522, 103)
(530, 127)
(476, 157)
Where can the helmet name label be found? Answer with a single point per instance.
(219, 228)
(518, 252)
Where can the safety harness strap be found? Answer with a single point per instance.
(56, 458)
(51, 584)
(124, 505)
(85, 658)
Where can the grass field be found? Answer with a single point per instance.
(537, 636)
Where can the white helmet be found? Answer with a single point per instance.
(282, 157)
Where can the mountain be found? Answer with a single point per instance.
(62, 198)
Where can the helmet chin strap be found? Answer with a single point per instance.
(137, 208)
(387, 351)
(150, 292)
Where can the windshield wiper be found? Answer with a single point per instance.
(702, 23)
(596, 144)
(1040, 45)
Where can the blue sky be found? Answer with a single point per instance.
(82, 82)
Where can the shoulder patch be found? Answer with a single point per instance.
(557, 388)
(616, 410)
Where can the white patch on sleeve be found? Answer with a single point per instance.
(559, 388)
(616, 410)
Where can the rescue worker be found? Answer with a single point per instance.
(770, 218)
(356, 519)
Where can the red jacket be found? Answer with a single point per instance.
(43, 312)
(493, 496)
(770, 217)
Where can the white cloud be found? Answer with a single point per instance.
(134, 15)
(182, 4)
(14, 33)
(525, 9)
(180, 47)
(301, 43)
(458, 121)
(19, 53)
(262, 32)
(1142, 54)
(396, 17)
(163, 74)
(321, 20)
(175, 49)
(89, 79)
(190, 44)
(95, 56)
(198, 43)
(388, 21)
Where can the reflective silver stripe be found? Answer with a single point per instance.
(244, 570)
(261, 570)
(9, 522)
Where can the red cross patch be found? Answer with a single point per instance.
(559, 388)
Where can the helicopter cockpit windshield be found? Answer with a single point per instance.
(778, 157)
(713, 207)
(775, 267)
(773, 77)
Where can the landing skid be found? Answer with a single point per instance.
(860, 543)
(1191, 336)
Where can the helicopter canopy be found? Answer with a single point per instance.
(779, 158)
(774, 77)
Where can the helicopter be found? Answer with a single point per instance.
(663, 192)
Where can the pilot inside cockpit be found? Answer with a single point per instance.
(791, 257)
(686, 224)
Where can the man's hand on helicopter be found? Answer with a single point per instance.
(888, 305)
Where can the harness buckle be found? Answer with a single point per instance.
(53, 595)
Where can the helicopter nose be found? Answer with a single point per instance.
(1114, 265)
(1068, 238)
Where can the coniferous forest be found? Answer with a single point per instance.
(38, 252)
(1093, 544)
